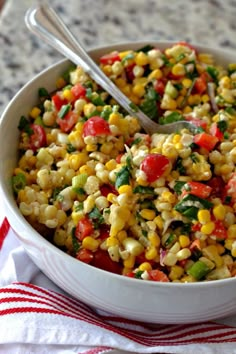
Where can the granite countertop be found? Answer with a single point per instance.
(97, 22)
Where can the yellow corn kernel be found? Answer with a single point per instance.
(176, 272)
(138, 90)
(35, 112)
(178, 69)
(204, 216)
(159, 222)
(112, 241)
(225, 82)
(208, 228)
(111, 164)
(176, 138)
(205, 98)
(121, 235)
(219, 212)
(194, 99)
(90, 243)
(106, 148)
(60, 83)
(168, 197)
(233, 252)
(188, 279)
(135, 99)
(211, 252)
(107, 69)
(126, 188)
(228, 242)
(220, 248)
(205, 58)
(184, 241)
(77, 160)
(187, 82)
(155, 74)
(151, 253)
(154, 238)
(91, 147)
(129, 262)
(87, 169)
(68, 95)
(77, 216)
(231, 232)
(169, 103)
(114, 118)
(187, 109)
(126, 89)
(111, 198)
(145, 266)
(141, 59)
(131, 221)
(120, 82)
(147, 214)
(142, 182)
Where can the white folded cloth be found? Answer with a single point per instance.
(38, 317)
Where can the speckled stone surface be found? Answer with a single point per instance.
(97, 22)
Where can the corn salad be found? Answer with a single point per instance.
(160, 207)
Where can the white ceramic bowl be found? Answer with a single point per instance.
(147, 301)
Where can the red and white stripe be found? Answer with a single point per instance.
(24, 302)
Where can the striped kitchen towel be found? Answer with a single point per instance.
(38, 317)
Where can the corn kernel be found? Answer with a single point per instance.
(141, 59)
(188, 279)
(176, 272)
(147, 214)
(183, 254)
(129, 262)
(211, 252)
(145, 266)
(208, 228)
(168, 197)
(68, 95)
(107, 69)
(111, 165)
(219, 212)
(178, 69)
(231, 232)
(112, 241)
(205, 98)
(120, 82)
(159, 222)
(35, 112)
(155, 74)
(184, 241)
(187, 82)
(228, 243)
(90, 243)
(187, 109)
(154, 238)
(60, 83)
(111, 198)
(139, 90)
(204, 216)
(142, 182)
(126, 188)
(77, 216)
(151, 253)
(87, 169)
(91, 147)
(121, 235)
(220, 248)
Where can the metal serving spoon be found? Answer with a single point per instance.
(45, 23)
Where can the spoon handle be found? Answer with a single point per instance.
(45, 23)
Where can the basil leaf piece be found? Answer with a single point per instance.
(122, 177)
(143, 190)
(64, 110)
(178, 187)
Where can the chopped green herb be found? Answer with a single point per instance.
(94, 97)
(75, 242)
(179, 166)
(24, 125)
(170, 118)
(136, 141)
(79, 206)
(194, 158)
(55, 193)
(138, 274)
(180, 57)
(226, 135)
(230, 110)
(213, 72)
(18, 182)
(70, 148)
(122, 177)
(133, 106)
(143, 190)
(178, 187)
(127, 57)
(106, 112)
(96, 215)
(144, 233)
(190, 205)
(228, 199)
(145, 49)
(66, 75)
(149, 104)
(222, 125)
(43, 93)
(166, 61)
(64, 110)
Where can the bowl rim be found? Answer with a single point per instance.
(20, 218)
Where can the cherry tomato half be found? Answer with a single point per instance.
(205, 141)
(111, 58)
(154, 166)
(103, 261)
(67, 123)
(96, 126)
(84, 228)
(38, 138)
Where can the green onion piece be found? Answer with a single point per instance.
(43, 93)
(170, 118)
(64, 110)
(143, 190)
(198, 270)
(78, 182)
(106, 112)
(178, 187)
(171, 90)
(127, 57)
(94, 97)
(213, 72)
(18, 182)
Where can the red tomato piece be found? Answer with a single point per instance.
(103, 261)
(186, 44)
(215, 131)
(197, 122)
(58, 102)
(200, 85)
(159, 86)
(205, 141)
(220, 230)
(84, 255)
(67, 123)
(129, 72)
(195, 245)
(218, 185)
(104, 231)
(111, 58)
(201, 190)
(96, 126)
(105, 189)
(158, 275)
(38, 138)
(154, 166)
(230, 188)
(78, 91)
(118, 158)
(84, 228)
